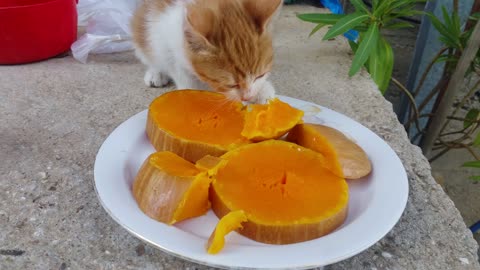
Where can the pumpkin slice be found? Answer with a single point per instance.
(270, 121)
(170, 189)
(230, 222)
(194, 123)
(285, 190)
(333, 144)
(208, 163)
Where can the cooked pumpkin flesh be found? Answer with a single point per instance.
(201, 116)
(270, 121)
(277, 182)
(227, 224)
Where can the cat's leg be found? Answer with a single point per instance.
(155, 78)
(265, 93)
(184, 79)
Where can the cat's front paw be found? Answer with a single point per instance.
(155, 79)
(266, 93)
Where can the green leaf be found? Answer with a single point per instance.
(360, 6)
(476, 142)
(471, 117)
(472, 164)
(404, 4)
(404, 13)
(452, 24)
(374, 3)
(446, 58)
(381, 8)
(361, 28)
(446, 17)
(475, 16)
(381, 64)
(398, 25)
(448, 38)
(318, 27)
(456, 23)
(475, 178)
(353, 46)
(365, 48)
(344, 24)
(328, 19)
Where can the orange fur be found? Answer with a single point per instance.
(227, 44)
(138, 24)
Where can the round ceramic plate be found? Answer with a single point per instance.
(376, 202)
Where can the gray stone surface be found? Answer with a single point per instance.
(56, 114)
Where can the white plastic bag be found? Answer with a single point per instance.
(107, 27)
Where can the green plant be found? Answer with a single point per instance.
(371, 50)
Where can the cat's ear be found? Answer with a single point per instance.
(198, 26)
(262, 11)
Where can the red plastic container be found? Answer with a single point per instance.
(33, 30)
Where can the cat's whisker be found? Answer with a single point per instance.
(217, 107)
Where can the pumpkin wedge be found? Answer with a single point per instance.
(285, 190)
(194, 123)
(333, 144)
(270, 121)
(170, 189)
(230, 222)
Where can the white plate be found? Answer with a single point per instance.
(376, 203)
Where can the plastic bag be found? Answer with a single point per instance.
(107, 27)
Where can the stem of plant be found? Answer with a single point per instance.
(453, 132)
(417, 135)
(472, 152)
(460, 105)
(420, 85)
(444, 151)
(462, 119)
(411, 99)
(446, 102)
(425, 102)
(427, 71)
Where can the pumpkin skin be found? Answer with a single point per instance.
(195, 123)
(285, 190)
(170, 189)
(353, 162)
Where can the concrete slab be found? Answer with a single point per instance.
(56, 114)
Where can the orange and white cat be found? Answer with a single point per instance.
(221, 45)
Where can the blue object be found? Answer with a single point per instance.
(475, 227)
(336, 8)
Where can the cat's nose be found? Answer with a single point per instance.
(248, 96)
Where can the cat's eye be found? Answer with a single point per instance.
(261, 76)
(233, 86)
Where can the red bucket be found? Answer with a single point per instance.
(33, 30)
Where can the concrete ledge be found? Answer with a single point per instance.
(56, 114)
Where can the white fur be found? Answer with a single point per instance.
(167, 58)
(259, 91)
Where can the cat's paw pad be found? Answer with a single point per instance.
(156, 79)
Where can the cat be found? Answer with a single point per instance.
(220, 45)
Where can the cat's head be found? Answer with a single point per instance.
(229, 44)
